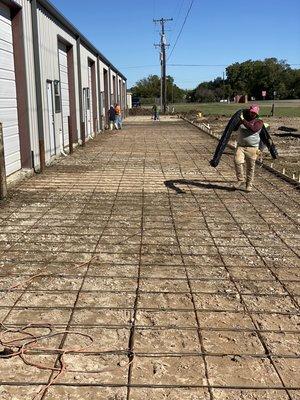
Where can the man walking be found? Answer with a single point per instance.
(247, 149)
(111, 117)
(154, 112)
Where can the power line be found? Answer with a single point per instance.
(178, 36)
(177, 17)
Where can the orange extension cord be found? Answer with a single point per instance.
(28, 342)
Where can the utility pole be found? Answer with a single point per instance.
(163, 62)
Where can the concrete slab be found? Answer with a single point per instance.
(184, 284)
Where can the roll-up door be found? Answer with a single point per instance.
(64, 85)
(90, 121)
(8, 96)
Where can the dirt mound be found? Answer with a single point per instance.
(136, 111)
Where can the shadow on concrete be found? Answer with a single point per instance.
(211, 185)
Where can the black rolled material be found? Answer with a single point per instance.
(267, 141)
(232, 125)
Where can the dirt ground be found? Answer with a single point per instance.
(288, 145)
(132, 270)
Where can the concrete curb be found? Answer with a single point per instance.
(232, 145)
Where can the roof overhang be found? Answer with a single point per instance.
(67, 24)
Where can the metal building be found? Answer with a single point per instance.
(55, 86)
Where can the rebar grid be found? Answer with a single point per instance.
(131, 344)
(244, 304)
(293, 298)
(62, 343)
(46, 259)
(142, 280)
(200, 337)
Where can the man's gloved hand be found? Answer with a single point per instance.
(242, 117)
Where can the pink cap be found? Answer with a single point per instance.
(254, 108)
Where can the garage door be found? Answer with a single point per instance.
(90, 119)
(8, 96)
(64, 84)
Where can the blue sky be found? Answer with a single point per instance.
(217, 32)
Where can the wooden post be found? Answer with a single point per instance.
(70, 135)
(3, 186)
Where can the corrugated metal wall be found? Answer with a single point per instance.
(30, 76)
(8, 95)
(65, 89)
(103, 110)
(49, 33)
(113, 87)
(52, 29)
(87, 57)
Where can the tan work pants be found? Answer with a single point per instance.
(248, 155)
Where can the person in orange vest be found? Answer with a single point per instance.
(118, 120)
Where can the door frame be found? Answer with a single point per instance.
(50, 82)
(106, 93)
(73, 135)
(86, 107)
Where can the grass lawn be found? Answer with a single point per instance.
(282, 108)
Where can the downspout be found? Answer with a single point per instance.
(38, 86)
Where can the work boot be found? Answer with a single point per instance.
(239, 185)
(250, 164)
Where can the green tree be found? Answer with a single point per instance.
(147, 87)
(210, 91)
(150, 88)
(251, 77)
(174, 93)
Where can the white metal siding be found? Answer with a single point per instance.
(30, 78)
(113, 78)
(49, 31)
(8, 96)
(64, 86)
(102, 66)
(91, 116)
(124, 96)
(86, 81)
(129, 100)
(51, 118)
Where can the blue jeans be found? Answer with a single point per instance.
(118, 121)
